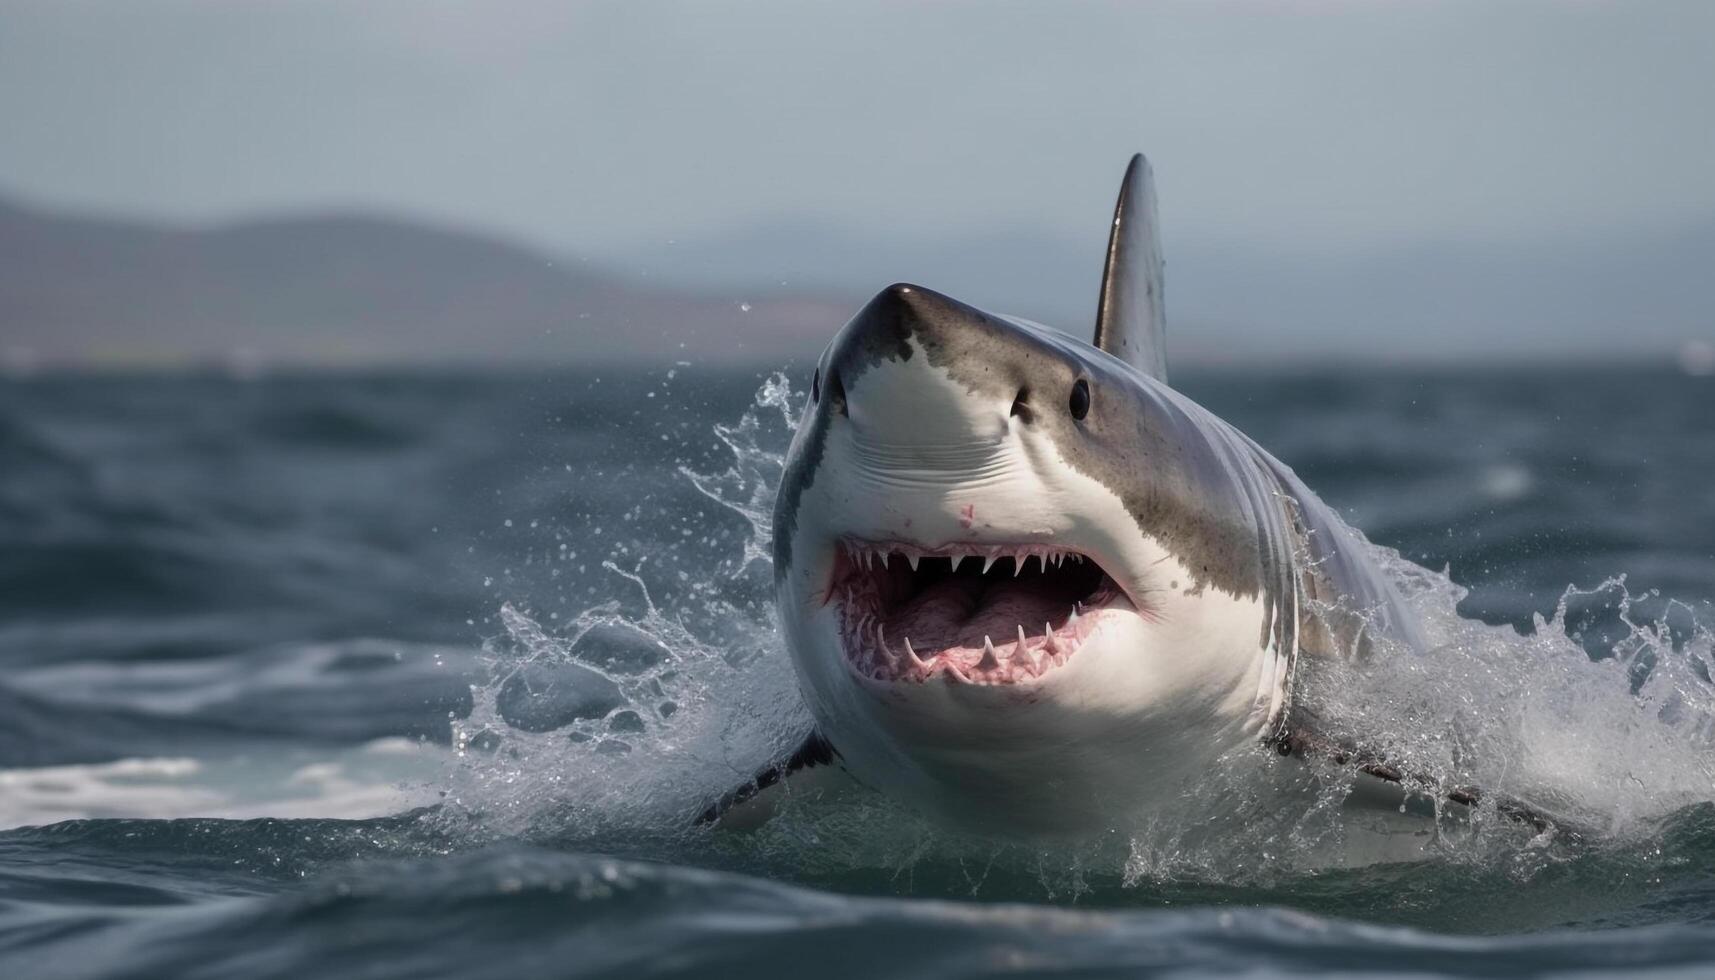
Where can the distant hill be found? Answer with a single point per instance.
(353, 289)
(348, 289)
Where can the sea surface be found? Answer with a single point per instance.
(427, 675)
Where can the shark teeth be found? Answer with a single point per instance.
(874, 584)
(881, 644)
(873, 554)
(1022, 657)
(991, 660)
(911, 657)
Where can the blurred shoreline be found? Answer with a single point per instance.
(344, 291)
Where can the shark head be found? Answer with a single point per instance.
(1020, 577)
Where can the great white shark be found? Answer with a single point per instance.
(1028, 585)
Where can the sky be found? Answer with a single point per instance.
(1294, 130)
(583, 125)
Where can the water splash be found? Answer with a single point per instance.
(758, 444)
(1602, 715)
(670, 731)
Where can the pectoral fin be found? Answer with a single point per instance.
(812, 762)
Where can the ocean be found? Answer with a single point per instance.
(428, 674)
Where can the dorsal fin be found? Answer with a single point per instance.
(1129, 321)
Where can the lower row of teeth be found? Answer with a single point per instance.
(902, 660)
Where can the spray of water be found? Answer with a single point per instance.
(615, 727)
(748, 486)
(1602, 717)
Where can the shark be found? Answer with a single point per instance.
(1027, 585)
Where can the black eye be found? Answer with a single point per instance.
(816, 386)
(1080, 399)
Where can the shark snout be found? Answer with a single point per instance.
(916, 368)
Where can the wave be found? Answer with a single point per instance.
(533, 910)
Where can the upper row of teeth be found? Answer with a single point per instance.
(870, 555)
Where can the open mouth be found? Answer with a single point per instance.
(978, 614)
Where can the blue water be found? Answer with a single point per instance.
(285, 662)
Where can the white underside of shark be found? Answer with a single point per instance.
(1158, 682)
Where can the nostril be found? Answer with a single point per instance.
(1021, 404)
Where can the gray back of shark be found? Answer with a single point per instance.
(1304, 553)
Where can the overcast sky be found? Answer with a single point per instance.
(591, 126)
